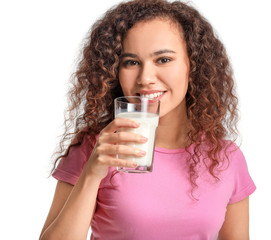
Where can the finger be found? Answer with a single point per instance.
(116, 162)
(109, 149)
(119, 137)
(120, 123)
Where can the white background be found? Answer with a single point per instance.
(40, 41)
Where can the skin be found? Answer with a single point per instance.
(145, 65)
(151, 61)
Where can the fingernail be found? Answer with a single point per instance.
(141, 153)
(134, 164)
(135, 124)
(143, 139)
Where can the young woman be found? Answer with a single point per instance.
(200, 184)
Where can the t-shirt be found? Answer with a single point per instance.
(159, 205)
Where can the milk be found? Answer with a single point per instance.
(148, 124)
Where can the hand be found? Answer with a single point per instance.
(106, 148)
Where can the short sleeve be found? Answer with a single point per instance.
(243, 185)
(69, 168)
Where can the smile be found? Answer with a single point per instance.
(152, 95)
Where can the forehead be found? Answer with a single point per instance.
(153, 33)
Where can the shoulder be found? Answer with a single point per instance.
(235, 155)
(228, 158)
(238, 172)
(71, 165)
(82, 149)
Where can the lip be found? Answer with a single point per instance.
(150, 92)
(157, 98)
(153, 91)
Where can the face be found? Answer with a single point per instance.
(154, 63)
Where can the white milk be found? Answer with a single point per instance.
(148, 124)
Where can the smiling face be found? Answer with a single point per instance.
(154, 63)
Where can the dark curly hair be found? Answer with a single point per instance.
(211, 101)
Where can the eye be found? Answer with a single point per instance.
(163, 60)
(130, 63)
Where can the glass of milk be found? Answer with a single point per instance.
(146, 112)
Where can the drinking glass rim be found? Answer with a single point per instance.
(136, 97)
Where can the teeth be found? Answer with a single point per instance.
(151, 96)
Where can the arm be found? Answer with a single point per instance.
(73, 207)
(72, 210)
(62, 193)
(236, 224)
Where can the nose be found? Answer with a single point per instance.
(147, 74)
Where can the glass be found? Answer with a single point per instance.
(145, 112)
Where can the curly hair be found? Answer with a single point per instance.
(210, 100)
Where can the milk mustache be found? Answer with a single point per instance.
(148, 124)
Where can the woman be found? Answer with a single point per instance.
(200, 184)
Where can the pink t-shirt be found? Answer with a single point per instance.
(159, 205)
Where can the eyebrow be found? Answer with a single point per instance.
(162, 52)
(132, 55)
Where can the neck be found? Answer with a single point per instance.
(172, 131)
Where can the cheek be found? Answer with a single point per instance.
(177, 81)
(125, 82)
(180, 77)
